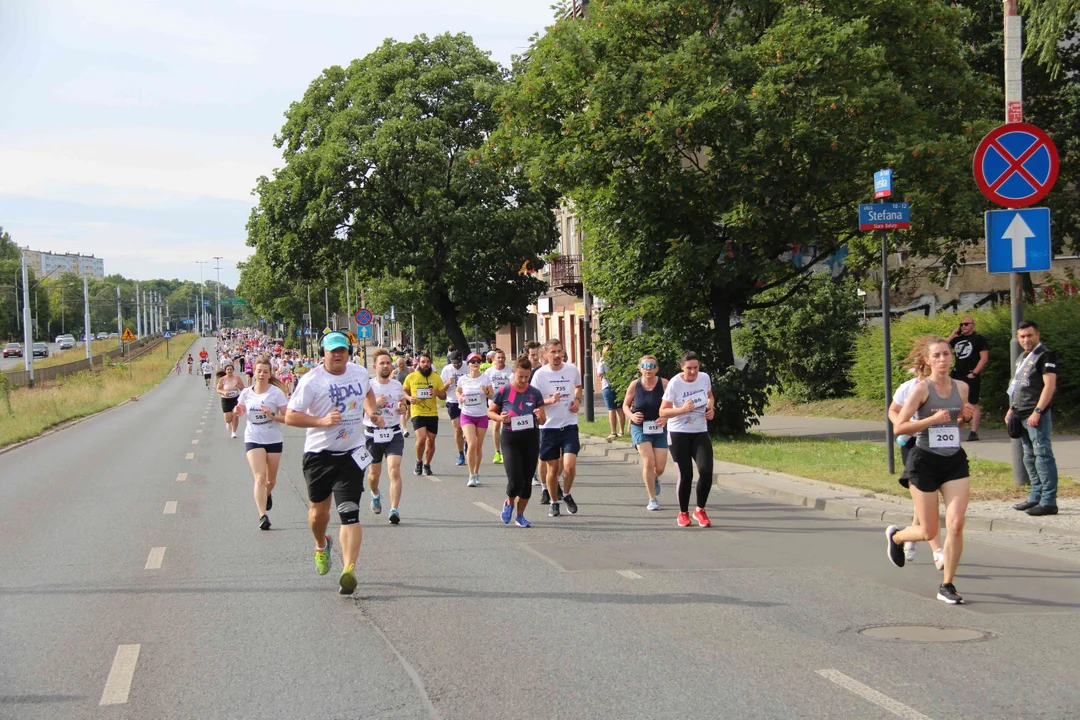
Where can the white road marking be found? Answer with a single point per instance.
(181, 477)
(189, 456)
(194, 442)
(485, 506)
(629, 574)
(157, 556)
(897, 708)
(432, 478)
(118, 685)
(198, 431)
(170, 508)
(202, 423)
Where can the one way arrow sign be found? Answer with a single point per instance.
(1018, 240)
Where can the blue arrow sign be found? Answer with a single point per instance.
(363, 331)
(1018, 240)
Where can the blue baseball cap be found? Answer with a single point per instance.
(335, 341)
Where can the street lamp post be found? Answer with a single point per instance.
(202, 317)
(218, 289)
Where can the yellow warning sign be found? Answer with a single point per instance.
(352, 337)
(128, 335)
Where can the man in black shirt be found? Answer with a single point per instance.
(971, 353)
(1031, 392)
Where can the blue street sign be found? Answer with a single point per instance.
(885, 216)
(187, 321)
(1018, 240)
(363, 316)
(364, 332)
(392, 312)
(386, 317)
(167, 334)
(882, 184)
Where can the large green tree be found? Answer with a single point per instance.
(382, 174)
(703, 141)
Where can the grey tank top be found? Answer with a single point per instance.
(934, 403)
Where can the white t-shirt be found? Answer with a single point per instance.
(260, 428)
(473, 401)
(319, 392)
(678, 390)
(391, 394)
(206, 367)
(451, 372)
(603, 370)
(498, 378)
(563, 381)
(901, 395)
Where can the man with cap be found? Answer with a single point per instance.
(449, 375)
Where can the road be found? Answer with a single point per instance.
(614, 612)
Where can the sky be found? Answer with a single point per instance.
(134, 130)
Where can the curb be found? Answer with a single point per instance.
(836, 500)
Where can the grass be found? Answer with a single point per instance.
(35, 410)
(78, 352)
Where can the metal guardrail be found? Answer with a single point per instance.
(21, 378)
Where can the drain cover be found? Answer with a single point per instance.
(923, 634)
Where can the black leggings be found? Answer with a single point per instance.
(687, 449)
(521, 450)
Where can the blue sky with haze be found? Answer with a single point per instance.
(134, 130)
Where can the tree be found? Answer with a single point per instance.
(703, 142)
(382, 174)
(1048, 21)
(8, 249)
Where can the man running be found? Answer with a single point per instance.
(402, 372)
(499, 375)
(450, 374)
(207, 370)
(330, 401)
(190, 364)
(421, 388)
(532, 349)
(387, 441)
(560, 384)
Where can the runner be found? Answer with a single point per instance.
(936, 462)
(560, 384)
(499, 375)
(190, 364)
(207, 371)
(386, 441)
(264, 403)
(688, 434)
(229, 386)
(473, 392)
(203, 355)
(648, 431)
(519, 409)
(450, 374)
(422, 387)
(330, 401)
(402, 372)
(532, 349)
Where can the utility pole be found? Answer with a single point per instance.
(146, 313)
(348, 301)
(168, 318)
(138, 314)
(119, 320)
(28, 345)
(202, 317)
(218, 290)
(590, 410)
(326, 302)
(86, 320)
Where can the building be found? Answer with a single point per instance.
(48, 264)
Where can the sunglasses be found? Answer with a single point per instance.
(967, 323)
(648, 366)
(474, 362)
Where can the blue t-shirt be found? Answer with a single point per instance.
(517, 403)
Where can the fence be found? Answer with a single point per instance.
(21, 378)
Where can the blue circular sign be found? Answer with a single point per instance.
(363, 317)
(1016, 165)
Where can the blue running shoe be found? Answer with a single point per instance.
(522, 522)
(376, 504)
(507, 513)
(461, 459)
(654, 504)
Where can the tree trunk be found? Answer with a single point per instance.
(448, 312)
(720, 305)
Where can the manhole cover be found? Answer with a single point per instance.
(923, 634)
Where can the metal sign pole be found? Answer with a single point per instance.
(886, 322)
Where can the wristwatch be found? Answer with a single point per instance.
(1039, 410)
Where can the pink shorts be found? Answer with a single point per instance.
(480, 422)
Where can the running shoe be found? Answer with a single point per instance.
(264, 522)
(460, 459)
(269, 501)
(554, 511)
(939, 559)
(895, 552)
(522, 522)
(545, 497)
(427, 469)
(497, 460)
(684, 519)
(701, 517)
(571, 506)
(654, 504)
(536, 480)
(323, 561)
(376, 504)
(233, 435)
(395, 517)
(947, 594)
(507, 513)
(909, 551)
(406, 433)
(472, 481)
(347, 581)
(419, 469)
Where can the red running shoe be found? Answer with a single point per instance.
(684, 519)
(701, 517)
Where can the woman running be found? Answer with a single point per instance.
(264, 404)
(520, 408)
(473, 392)
(648, 431)
(229, 385)
(688, 405)
(937, 462)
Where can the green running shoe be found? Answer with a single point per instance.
(322, 557)
(347, 581)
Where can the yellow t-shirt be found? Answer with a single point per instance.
(417, 385)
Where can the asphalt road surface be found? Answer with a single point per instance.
(134, 583)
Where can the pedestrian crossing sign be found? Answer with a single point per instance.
(352, 337)
(128, 335)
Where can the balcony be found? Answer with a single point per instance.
(566, 274)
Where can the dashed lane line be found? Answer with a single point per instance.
(118, 684)
(629, 574)
(485, 506)
(189, 456)
(170, 508)
(868, 693)
(181, 477)
(194, 442)
(157, 556)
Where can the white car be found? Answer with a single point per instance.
(66, 342)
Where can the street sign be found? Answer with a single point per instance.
(326, 331)
(238, 301)
(363, 317)
(352, 338)
(187, 321)
(885, 216)
(882, 184)
(166, 334)
(1016, 165)
(206, 303)
(392, 312)
(1018, 240)
(364, 331)
(386, 317)
(128, 336)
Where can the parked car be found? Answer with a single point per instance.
(66, 342)
(13, 350)
(102, 336)
(113, 335)
(40, 349)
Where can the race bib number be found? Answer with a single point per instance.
(649, 427)
(561, 389)
(425, 393)
(944, 436)
(522, 422)
(383, 435)
(361, 457)
(498, 381)
(258, 417)
(700, 398)
(231, 393)
(473, 401)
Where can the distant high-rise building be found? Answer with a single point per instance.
(51, 264)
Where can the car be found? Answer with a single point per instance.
(113, 336)
(478, 347)
(66, 342)
(40, 349)
(13, 350)
(103, 336)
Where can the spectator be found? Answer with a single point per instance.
(971, 354)
(1031, 393)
